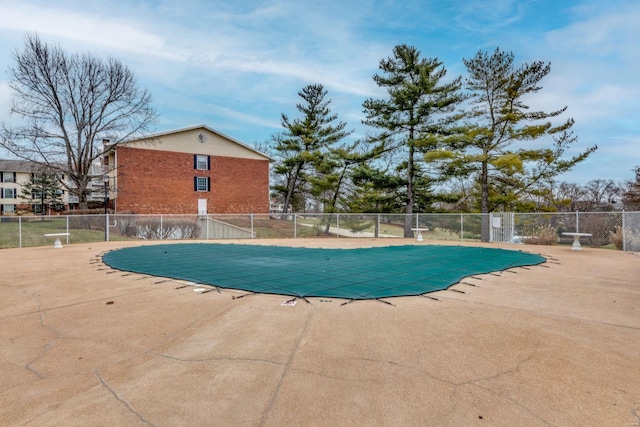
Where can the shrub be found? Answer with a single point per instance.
(540, 235)
(631, 236)
(616, 237)
(127, 226)
(600, 227)
(155, 229)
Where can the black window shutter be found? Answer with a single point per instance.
(195, 161)
(14, 177)
(208, 163)
(195, 183)
(208, 184)
(1, 176)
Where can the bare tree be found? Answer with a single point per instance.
(601, 193)
(67, 105)
(566, 196)
(631, 192)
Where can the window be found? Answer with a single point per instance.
(9, 209)
(8, 177)
(9, 193)
(201, 183)
(201, 162)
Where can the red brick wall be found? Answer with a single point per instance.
(161, 182)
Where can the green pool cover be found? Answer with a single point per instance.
(355, 274)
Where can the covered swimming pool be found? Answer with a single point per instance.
(353, 274)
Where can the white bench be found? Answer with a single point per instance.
(576, 240)
(57, 243)
(418, 232)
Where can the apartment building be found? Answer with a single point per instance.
(13, 175)
(187, 171)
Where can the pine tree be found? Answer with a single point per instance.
(497, 145)
(413, 117)
(43, 189)
(305, 142)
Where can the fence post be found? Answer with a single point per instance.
(513, 226)
(337, 224)
(624, 237)
(160, 227)
(490, 226)
(462, 227)
(377, 226)
(295, 226)
(19, 231)
(206, 222)
(67, 230)
(577, 222)
(252, 236)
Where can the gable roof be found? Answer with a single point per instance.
(19, 166)
(159, 135)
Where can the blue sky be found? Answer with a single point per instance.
(237, 65)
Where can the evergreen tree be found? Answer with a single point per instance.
(497, 146)
(414, 116)
(331, 177)
(42, 189)
(305, 142)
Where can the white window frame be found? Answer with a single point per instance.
(201, 184)
(8, 193)
(202, 162)
(9, 209)
(7, 177)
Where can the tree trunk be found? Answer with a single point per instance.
(408, 219)
(484, 202)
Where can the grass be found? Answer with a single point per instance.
(33, 229)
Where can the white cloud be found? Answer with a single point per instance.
(84, 28)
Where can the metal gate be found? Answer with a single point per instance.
(501, 226)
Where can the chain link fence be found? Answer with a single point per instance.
(616, 230)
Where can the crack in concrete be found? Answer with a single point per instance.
(546, 313)
(111, 297)
(293, 353)
(121, 400)
(50, 343)
(636, 413)
(475, 382)
(212, 359)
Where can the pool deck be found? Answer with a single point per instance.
(82, 344)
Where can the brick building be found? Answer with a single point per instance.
(187, 171)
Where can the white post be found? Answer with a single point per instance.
(251, 226)
(513, 226)
(337, 224)
(378, 227)
(462, 227)
(295, 226)
(160, 227)
(491, 226)
(19, 231)
(624, 237)
(577, 222)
